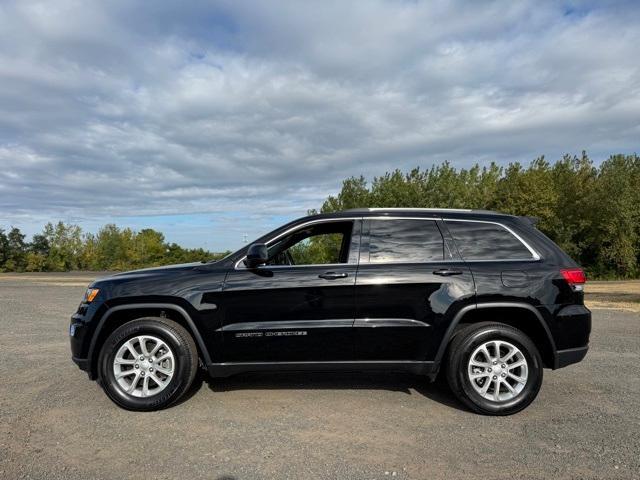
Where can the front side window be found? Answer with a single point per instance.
(487, 241)
(317, 244)
(406, 241)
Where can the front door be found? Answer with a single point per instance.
(300, 306)
(408, 282)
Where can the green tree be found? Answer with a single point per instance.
(354, 194)
(4, 250)
(529, 192)
(114, 248)
(35, 262)
(37, 254)
(150, 248)
(615, 228)
(39, 244)
(65, 246)
(592, 213)
(17, 251)
(574, 181)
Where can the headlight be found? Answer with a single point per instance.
(90, 294)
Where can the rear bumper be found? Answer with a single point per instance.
(572, 327)
(570, 356)
(571, 331)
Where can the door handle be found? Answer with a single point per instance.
(447, 272)
(333, 275)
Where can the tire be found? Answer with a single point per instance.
(518, 375)
(170, 370)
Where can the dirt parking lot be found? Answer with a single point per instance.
(55, 423)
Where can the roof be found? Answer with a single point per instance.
(409, 212)
(420, 210)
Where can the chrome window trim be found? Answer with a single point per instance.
(296, 227)
(534, 254)
(314, 265)
(337, 219)
(364, 264)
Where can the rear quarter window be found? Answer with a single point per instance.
(487, 241)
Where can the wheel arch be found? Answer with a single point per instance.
(529, 320)
(120, 314)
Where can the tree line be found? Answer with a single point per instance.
(593, 213)
(63, 247)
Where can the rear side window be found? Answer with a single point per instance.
(487, 241)
(410, 241)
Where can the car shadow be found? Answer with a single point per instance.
(195, 387)
(396, 382)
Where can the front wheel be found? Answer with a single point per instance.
(147, 364)
(494, 369)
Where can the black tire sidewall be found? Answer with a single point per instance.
(182, 365)
(534, 364)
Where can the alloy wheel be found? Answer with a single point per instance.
(498, 370)
(143, 366)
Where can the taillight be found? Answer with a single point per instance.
(574, 277)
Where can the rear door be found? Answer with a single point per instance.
(409, 284)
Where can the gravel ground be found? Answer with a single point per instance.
(55, 423)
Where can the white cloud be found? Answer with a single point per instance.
(109, 109)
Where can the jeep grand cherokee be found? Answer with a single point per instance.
(480, 297)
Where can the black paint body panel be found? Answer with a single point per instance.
(407, 291)
(388, 315)
(275, 296)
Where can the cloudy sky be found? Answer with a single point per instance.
(208, 120)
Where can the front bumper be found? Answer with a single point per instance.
(78, 336)
(82, 363)
(81, 330)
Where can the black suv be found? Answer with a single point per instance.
(484, 298)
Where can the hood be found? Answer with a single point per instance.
(160, 269)
(150, 272)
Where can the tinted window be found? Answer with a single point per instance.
(487, 241)
(405, 241)
(318, 244)
(317, 250)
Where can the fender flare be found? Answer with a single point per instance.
(140, 306)
(463, 311)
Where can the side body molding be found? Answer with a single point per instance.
(141, 306)
(468, 308)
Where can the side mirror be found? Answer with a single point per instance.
(256, 255)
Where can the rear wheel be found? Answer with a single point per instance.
(147, 364)
(494, 369)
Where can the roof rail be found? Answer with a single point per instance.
(411, 209)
